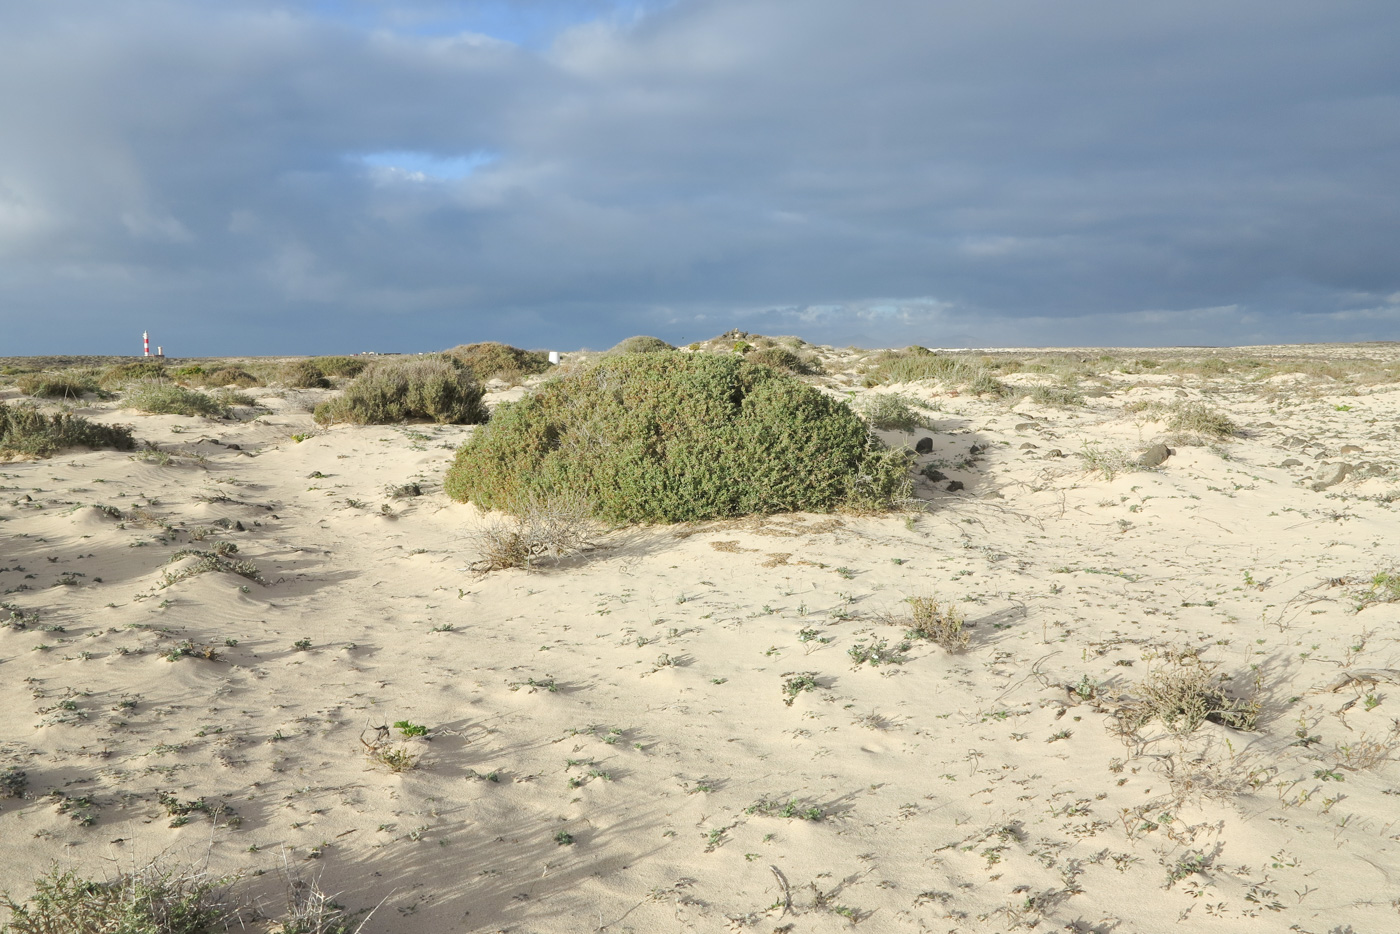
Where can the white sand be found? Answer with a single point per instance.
(967, 792)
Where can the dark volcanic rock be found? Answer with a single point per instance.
(1154, 456)
(923, 446)
(954, 486)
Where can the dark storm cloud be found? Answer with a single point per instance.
(263, 177)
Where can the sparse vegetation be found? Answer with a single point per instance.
(676, 437)
(418, 388)
(25, 431)
(918, 364)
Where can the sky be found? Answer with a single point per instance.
(334, 176)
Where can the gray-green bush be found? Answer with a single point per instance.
(60, 385)
(27, 432)
(490, 360)
(675, 437)
(302, 374)
(641, 344)
(414, 388)
(158, 397)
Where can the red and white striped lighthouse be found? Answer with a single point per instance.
(146, 341)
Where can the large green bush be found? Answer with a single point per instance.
(27, 432)
(490, 360)
(642, 343)
(400, 390)
(665, 437)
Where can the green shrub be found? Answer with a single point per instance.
(1059, 396)
(302, 374)
(889, 412)
(641, 344)
(157, 397)
(676, 437)
(116, 377)
(216, 378)
(147, 902)
(341, 366)
(27, 432)
(400, 390)
(780, 358)
(490, 360)
(915, 364)
(61, 385)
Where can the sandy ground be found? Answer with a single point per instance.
(610, 746)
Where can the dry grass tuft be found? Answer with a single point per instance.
(1184, 694)
(937, 623)
(541, 530)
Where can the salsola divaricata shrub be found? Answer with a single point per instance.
(669, 437)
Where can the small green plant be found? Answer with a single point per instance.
(381, 751)
(792, 808)
(13, 782)
(798, 683)
(877, 652)
(564, 838)
(406, 728)
(301, 645)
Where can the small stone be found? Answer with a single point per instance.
(1349, 449)
(238, 527)
(1267, 425)
(934, 475)
(1291, 462)
(924, 446)
(953, 486)
(1154, 456)
(1331, 476)
(1027, 426)
(233, 447)
(1054, 452)
(1029, 447)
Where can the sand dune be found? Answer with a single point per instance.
(724, 727)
